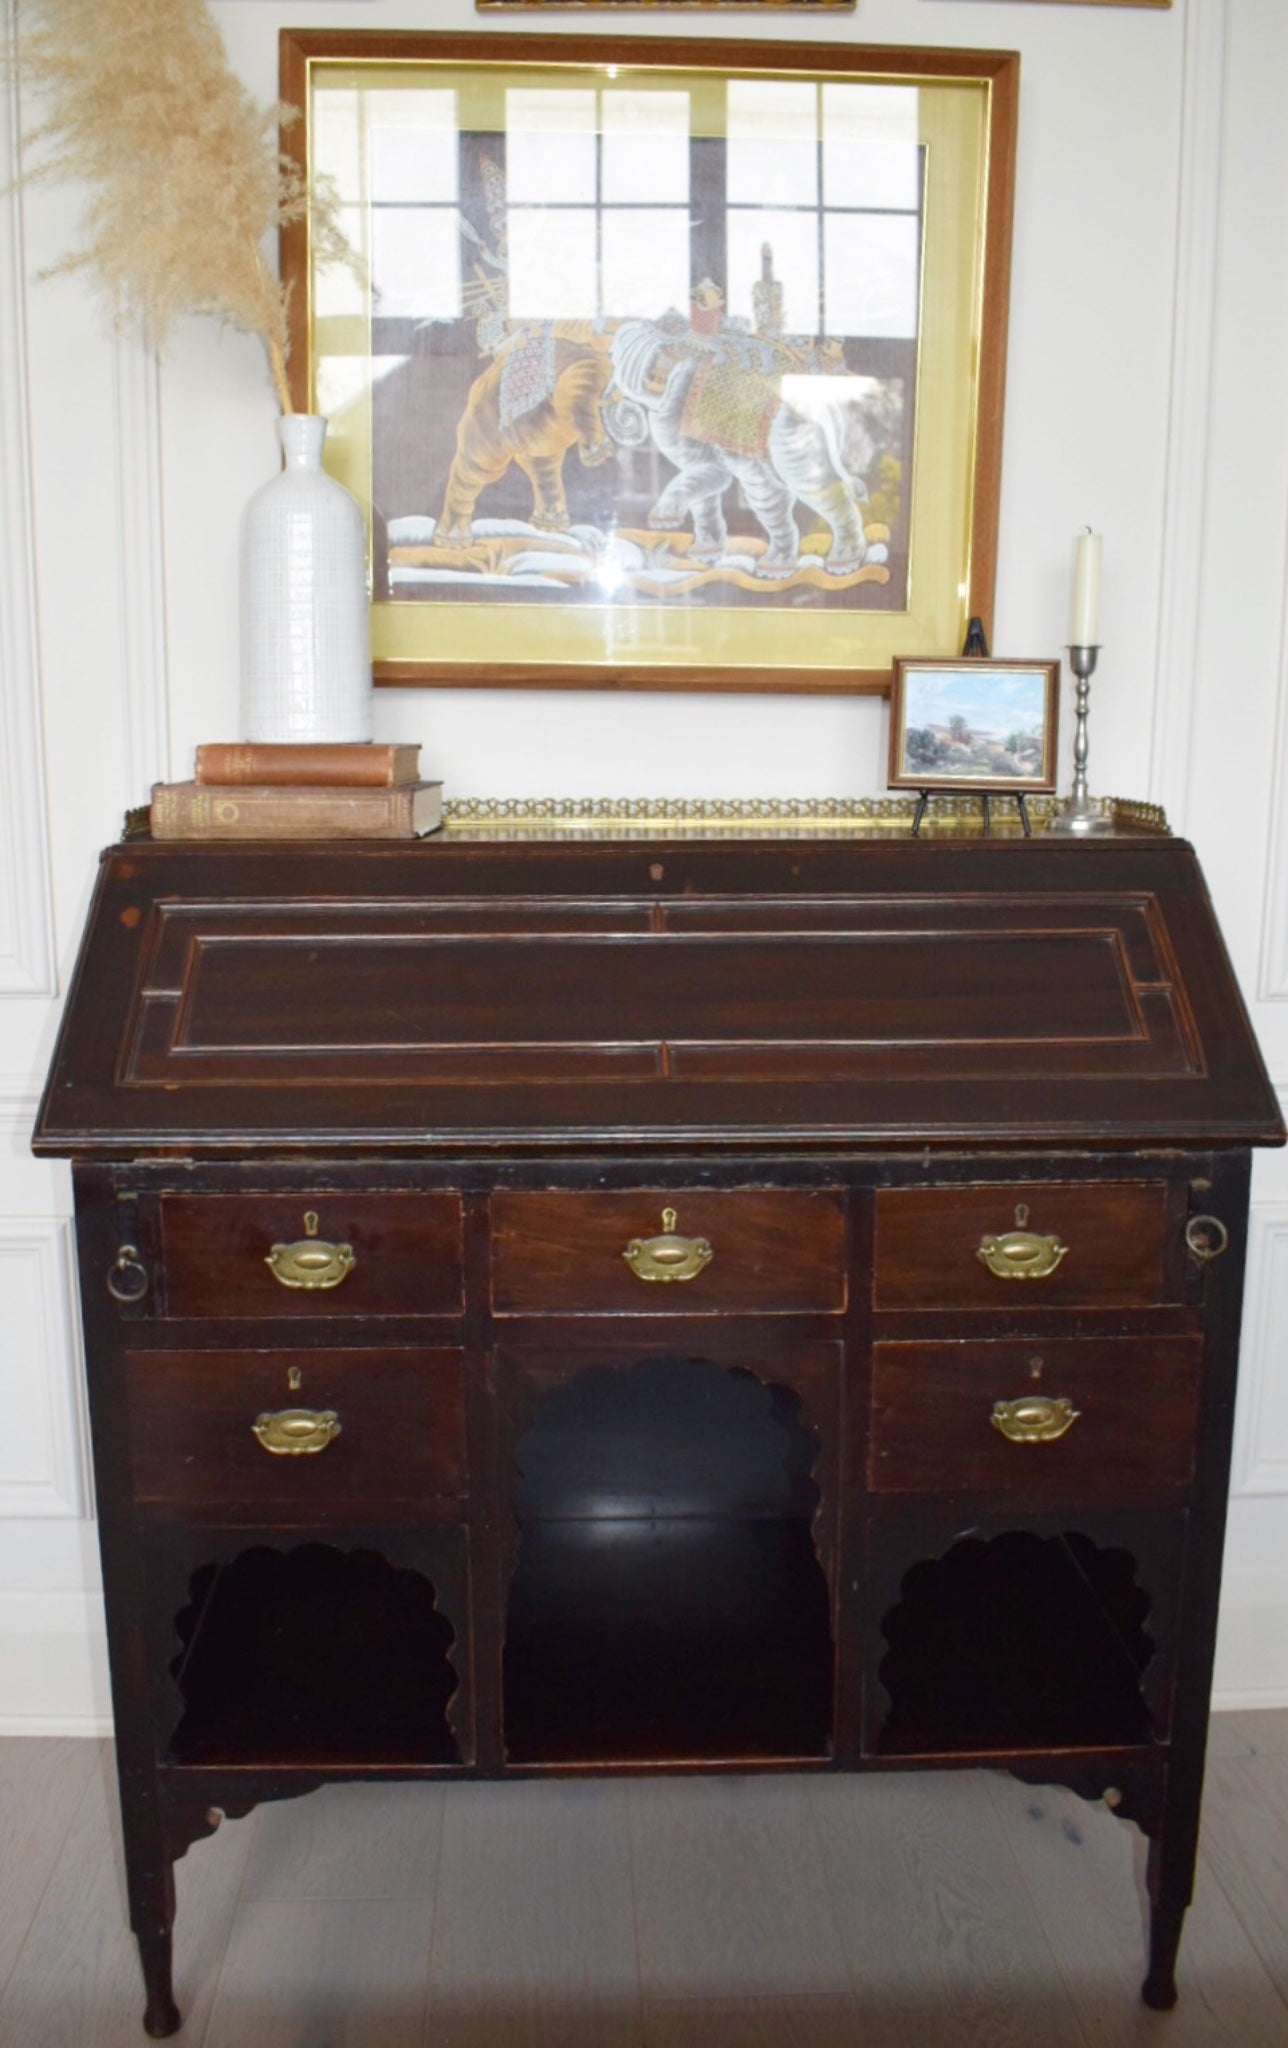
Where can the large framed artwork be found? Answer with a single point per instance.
(666, 364)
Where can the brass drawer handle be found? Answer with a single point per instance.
(127, 1276)
(667, 1256)
(1033, 1419)
(297, 1432)
(1206, 1237)
(310, 1262)
(1020, 1254)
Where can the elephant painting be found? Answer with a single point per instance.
(725, 407)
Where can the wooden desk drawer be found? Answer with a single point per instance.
(401, 1436)
(1115, 1236)
(403, 1254)
(1134, 1402)
(771, 1249)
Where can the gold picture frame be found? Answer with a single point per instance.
(668, 364)
(973, 724)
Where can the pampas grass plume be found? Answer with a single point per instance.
(138, 102)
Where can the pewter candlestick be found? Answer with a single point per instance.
(1077, 814)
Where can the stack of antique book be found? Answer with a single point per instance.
(261, 791)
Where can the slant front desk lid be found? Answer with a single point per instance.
(635, 992)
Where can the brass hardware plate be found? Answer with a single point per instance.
(297, 1432)
(669, 1256)
(310, 1262)
(1020, 1254)
(1033, 1419)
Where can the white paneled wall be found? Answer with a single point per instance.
(1146, 396)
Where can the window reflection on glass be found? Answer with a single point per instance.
(413, 151)
(871, 136)
(553, 269)
(416, 263)
(871, 262)
(337, 288)
(772, 131)
(645, 262)
(646, 148)
(551, 146)
(339, 139)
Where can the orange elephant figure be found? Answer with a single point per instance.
(539, 397)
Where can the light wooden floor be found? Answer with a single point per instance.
(900, 1912)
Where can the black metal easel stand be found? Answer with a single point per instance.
(974, 647)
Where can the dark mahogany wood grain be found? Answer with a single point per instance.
(402, 1429)
(843, 992)
(1136, 1400)
(772, 1250)
(1118, 1237)
(406, 1250)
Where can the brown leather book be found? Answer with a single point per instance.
(197, 810)
(357, 766)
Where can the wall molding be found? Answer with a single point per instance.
(1189, 427)
(19, 1101)
(37, 1268)
(26, 929)
(136, 381)
(1261, 1462)
(53, 1652)
(1272, 975)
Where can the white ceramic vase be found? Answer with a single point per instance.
(305, 618)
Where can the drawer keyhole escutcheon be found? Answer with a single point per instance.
(1020, 1254)
(294, 1379)
(297, 1432)
(669, 1256)
(1034, 1419)
(127, 1277)
(310, 1262)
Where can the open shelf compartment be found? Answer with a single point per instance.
(1018, 1642)
(312, 1655)
(668, 1603)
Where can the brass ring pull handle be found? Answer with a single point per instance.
(667, 1256)
(297, 1432)
(1020, 1254)
(1033, 1419)
(127, 1277)
(1206, 1237)
(310, 1262)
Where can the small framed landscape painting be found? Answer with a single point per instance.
(986, 725)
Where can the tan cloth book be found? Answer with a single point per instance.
(196, 810)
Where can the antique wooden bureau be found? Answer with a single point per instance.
(578, 1305)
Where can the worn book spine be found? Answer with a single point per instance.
(197, 810)
(339, 766)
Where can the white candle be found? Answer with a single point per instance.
(1084, 629)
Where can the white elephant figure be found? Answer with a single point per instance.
(721, 409)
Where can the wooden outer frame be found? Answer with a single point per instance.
(999, 69)
(1001, 785)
